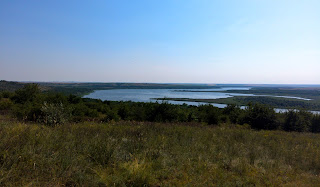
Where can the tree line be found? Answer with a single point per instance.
(30, 104)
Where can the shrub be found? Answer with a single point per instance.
(27, 111)
(26, 94)
(5, 104)
(111, 115)
(6, 94)
(54, 114)
(72, 99)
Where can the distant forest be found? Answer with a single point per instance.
(81, 89)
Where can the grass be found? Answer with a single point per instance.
(154, 154)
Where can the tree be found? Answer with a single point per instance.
(260, 116)
(234, 112)
(26, 94)
(299, 121)
(209, 114)
(315, 127)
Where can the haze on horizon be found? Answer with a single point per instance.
(169, 41)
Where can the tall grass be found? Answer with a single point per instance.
(152, 154)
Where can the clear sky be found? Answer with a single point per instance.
(178, 41)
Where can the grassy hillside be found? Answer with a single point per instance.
(152, 154)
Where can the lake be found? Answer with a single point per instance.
(147, 95)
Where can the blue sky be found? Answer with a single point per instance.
(199, 41)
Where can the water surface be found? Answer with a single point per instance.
(148, 95)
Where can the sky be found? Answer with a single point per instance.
(161, 41)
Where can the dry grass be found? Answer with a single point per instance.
(152, 154)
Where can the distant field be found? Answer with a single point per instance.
(155, 154)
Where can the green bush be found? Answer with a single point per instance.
(5, 104)
(54, 114)
(6, 94)
(26, 94)
(27, 111)
(111, 115)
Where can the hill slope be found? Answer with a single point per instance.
(152, 154)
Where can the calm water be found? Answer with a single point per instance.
(147, 95)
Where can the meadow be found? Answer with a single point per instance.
(154, 154)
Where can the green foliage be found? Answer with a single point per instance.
(5, 104)
(6, 94)
(260, 116)
(315, 124)
(234, 112)
(279, 102)
(10, 86)
(26, 94)
(111, 115)
(29, 104)
(163, 112)
(209, 114)
(299, 121)
(72, 99)
(124, 112)
(27, 111)
(54, 114)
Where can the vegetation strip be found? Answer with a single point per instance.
(276, 102)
